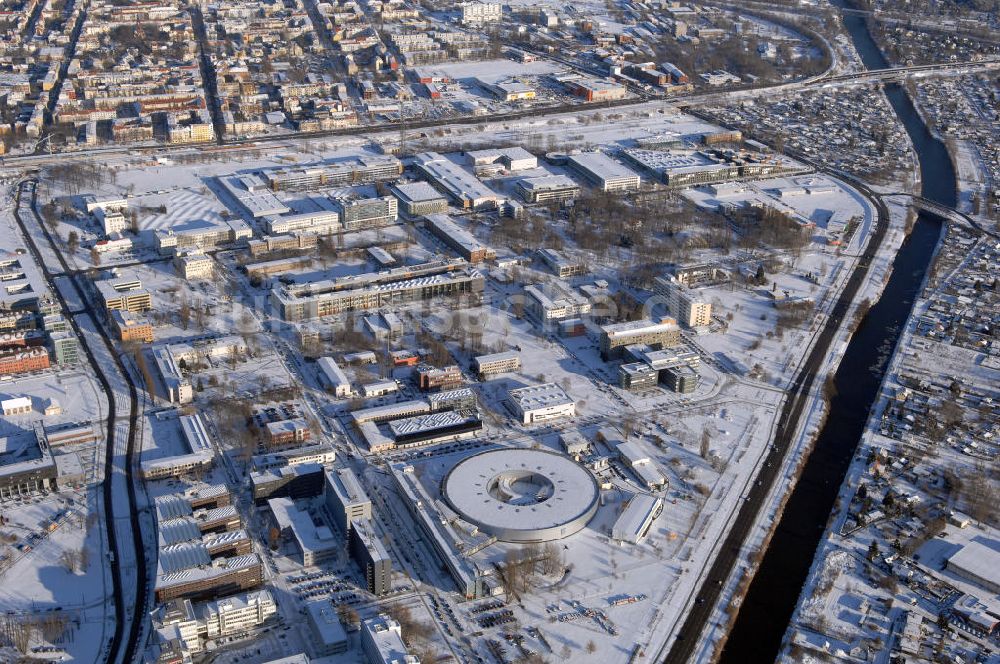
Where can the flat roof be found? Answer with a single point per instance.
(602, 166)
(978, 559)
(539, 396)
(417, 192)
(484, 489)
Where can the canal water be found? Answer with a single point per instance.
(774, 592)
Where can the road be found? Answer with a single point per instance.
(118, 466)
(714, 582)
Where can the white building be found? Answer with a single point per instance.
(604, 172)
(634, 522)
(334, 377)
(497, 363)
(640, 464)
(382, 642)
(237, 614)
(554, 302)
(194, 265)
(539, 403)
(477, 13)
(16, 406)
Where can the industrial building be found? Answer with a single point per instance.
(458, 238)
(634, 458)
(464, 188)
(636, 519)
(345, 499)
(496, 363)
(593, 89)
(540, 403)
(334, 377)
(658, 334)
(411, 283)
(547, 188)
(603, 172)
(419, 198)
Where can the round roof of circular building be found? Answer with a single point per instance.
(522, 495)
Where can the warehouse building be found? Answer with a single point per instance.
(593, 89)
(977, 563)
(603, 172)
(493, 161)
(540, 403)
(636, 519)
(334, 377)
(634, 458)
(458, 238)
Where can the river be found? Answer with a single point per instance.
(774, 592)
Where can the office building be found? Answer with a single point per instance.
(314, 223)
(683, 302)
(547, 188)
(382, 642)
(26, 465)
(547, 303)
(297, 482)
(540, 403)
(130, 327)
(496, 363)
(603, 172)
(327, 634)
(23, 361)
(419, 198)
(237, 614)
(561, 266)
(458, 238)
(371, 556)
(361, 213)
(311, 537)
(187, 571)
(124, 293)
(658, 334)
(65, 348)
(464, 188)
(431, 379)
(682, 379)
(410, 283)
(635, 376)
(194, 265)
(345, 499)
(357, 170)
